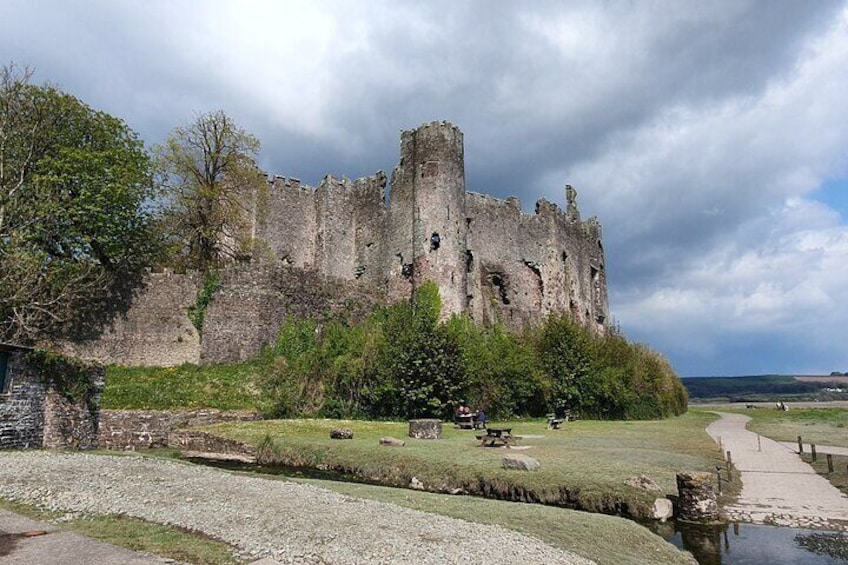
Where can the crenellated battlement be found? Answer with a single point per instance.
(486, 255)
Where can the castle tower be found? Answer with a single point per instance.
(427, 234)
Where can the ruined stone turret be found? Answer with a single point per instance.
(427, 233)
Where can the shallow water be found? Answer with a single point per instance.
(751, 544)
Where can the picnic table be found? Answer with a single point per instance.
(469, 422)
(465, 421)
(496, 436)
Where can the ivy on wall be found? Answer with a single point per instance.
(197, 313)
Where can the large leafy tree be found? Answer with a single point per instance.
(211, 182)
(75, 187)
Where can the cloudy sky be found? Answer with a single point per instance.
(710, 138)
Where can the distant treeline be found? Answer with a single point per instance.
(740, 387)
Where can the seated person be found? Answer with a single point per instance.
(481, 418)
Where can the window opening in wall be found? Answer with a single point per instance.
(5, 373)
(435, 241)
(469, 261)
(499, 283)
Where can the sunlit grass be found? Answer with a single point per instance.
(585, 464)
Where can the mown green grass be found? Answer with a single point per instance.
(607, 540)
(226, 387)
(139, 535)
(584, 465)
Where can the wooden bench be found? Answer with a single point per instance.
(495, 437)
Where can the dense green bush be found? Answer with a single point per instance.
(402, 363)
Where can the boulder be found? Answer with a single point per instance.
(663, 509)
(341, 433)
(522, 462)
(414, 483)
(643, 482)
(392, 442)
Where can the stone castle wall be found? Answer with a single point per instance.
(346, 246)
(154, 330)
(255, 300)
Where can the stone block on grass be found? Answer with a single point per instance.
(425, 429)
(521, 462)
(341, 433)
(392, 442)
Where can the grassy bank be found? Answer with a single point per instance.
(822, 426)
(607, 540)
(584, 465)
(138, 535)
(225, 387)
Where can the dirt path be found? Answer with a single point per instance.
(777, 486)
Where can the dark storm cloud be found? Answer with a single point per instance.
(695, 131)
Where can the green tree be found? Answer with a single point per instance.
(208, 171)
(419, 369)
(565, 355)
(75, 193)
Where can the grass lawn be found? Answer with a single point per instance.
(225, 387)
(584, 465)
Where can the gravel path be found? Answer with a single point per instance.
(285, 521)
(777, 486)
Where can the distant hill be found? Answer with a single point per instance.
(767, 387)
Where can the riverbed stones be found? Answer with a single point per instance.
(697, 497)
(341, 433)
(521, 462)
(425, 429)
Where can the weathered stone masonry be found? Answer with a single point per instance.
(486, 256)
(346, 246)
(35, 413)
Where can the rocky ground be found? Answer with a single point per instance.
(262, 518)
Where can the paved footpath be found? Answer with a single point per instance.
(777, 486)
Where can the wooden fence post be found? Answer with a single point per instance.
(729, 463)
(829, 463)
(800, 445)
(813, 451)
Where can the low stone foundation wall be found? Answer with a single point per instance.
(145, 429)
(195, 441)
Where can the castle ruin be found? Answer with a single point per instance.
(487, 257)
(349, 242)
